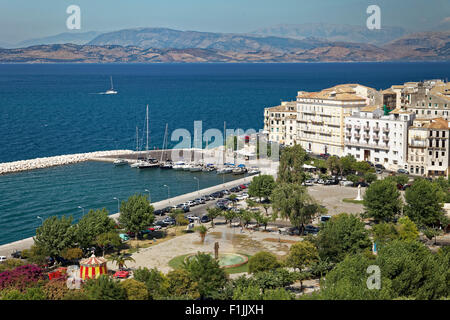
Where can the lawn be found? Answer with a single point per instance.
(348, 200)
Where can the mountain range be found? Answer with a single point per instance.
(283, 43)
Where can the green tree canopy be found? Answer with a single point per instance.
(261, 186)
(301, 255)
(206, 272)
(55, 235)
(382, 201)
(290, 169)
(104, 288)
(136, 214)
(156, 282)
(91, 225)
(181, 284)
(106, 239)
(343, 234)
(134, 289)
(292, 201)
(262, 261)
(333, 164)
(424, 203)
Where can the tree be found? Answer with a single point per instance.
(213, 213)
(252, 292)
(104, 288)
(382, 201)
(290, 169)
(262, 219)
(156, 282)
(348, 281)
(407, 230)
(333, 164)
(111, 238)
(301, 255)
(343, 234)
(229, 216)
(206, 272)
(120, 259)
(136, 213)
(346, 164)
(292, 201)
(276, 278)
(91, 225)
(134, 289)
(55, 235)
(424, 203)
(362, 167)
(245, 217)
(35, 254)
(72, 253)
(262, 261)
(261, 186)
(278, 294)
(384, 232)
(399, 179)
(180, 283)
(370, 177)
(202, 230)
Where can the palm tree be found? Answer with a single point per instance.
(121, 259)
(202, 230)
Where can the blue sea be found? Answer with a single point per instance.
(54, 109)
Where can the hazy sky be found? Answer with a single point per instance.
(25, 19)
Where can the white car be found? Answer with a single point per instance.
(191, 216)
(3, 258)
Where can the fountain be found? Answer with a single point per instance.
(227, 260)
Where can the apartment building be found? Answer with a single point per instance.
(280, 123)
(428, 147)
(320, 115)
(429, 99)
(371, 134)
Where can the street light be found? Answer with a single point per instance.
(168, 191)
(198, 183)
(149, 196)
(41, 219)
(118, 204)
(80, 207)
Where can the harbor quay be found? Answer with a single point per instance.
(9, 248)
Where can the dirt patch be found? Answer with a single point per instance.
(280, 240)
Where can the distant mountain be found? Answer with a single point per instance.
(333, 32)
(66, 37)
(163, 38)
(421, 46)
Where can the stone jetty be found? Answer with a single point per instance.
(39, 163)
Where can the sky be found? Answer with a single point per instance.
(26, 19)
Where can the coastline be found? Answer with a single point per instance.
(8, 248)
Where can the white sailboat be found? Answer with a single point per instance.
(149, 163)
(111, 91)
(138, 162)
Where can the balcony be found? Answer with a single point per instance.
(385, 130)
(348, 126)
(366, 136)
(385, 139)
(357, 135)
(348, 135)
(366, 128)
(376, 129)
(375, 137)
(357, 127)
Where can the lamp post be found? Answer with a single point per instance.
(80, 207)
(41, 219)
(198, 183)
(168, 191)
(118, 204)
(149, 195)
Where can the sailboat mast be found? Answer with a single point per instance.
(112, 87)
(164, 142)
(146, 148)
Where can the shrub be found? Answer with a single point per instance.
(104, 288)
(21, 277)
(11, 264)
(55, 289)
(134, 289)
(262, 261)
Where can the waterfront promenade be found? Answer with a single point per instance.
(7, 249)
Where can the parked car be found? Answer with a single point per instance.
(3, 258)
(308, 183)
(243, 186)
(200, 201)
(380, 166)
(205, 219)
(186, 208)
(161, 223)
(122, 274)
(169, 221)
(17, 254)
(324, 219)
(403, 171)
(378, 171)
(346, 183)
(158, 212)
(331, 182)
(311, 229)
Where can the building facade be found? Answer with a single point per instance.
(320, 115)
(428, 147)
(280, 123)
(371, 135)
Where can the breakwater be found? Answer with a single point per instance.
(40, 163)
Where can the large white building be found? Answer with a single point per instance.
(371, 135)
(320, 115)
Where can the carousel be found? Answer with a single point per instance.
(92, 267)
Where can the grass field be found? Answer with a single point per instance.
(348, 200)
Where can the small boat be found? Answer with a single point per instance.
(166, 165)
(195, 168)
(111, 91)
(150, 163)
(178, 165)
(224, 170)
(120, 162)
(239, 170)
(186, 167)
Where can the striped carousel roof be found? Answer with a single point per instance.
(92, 261)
